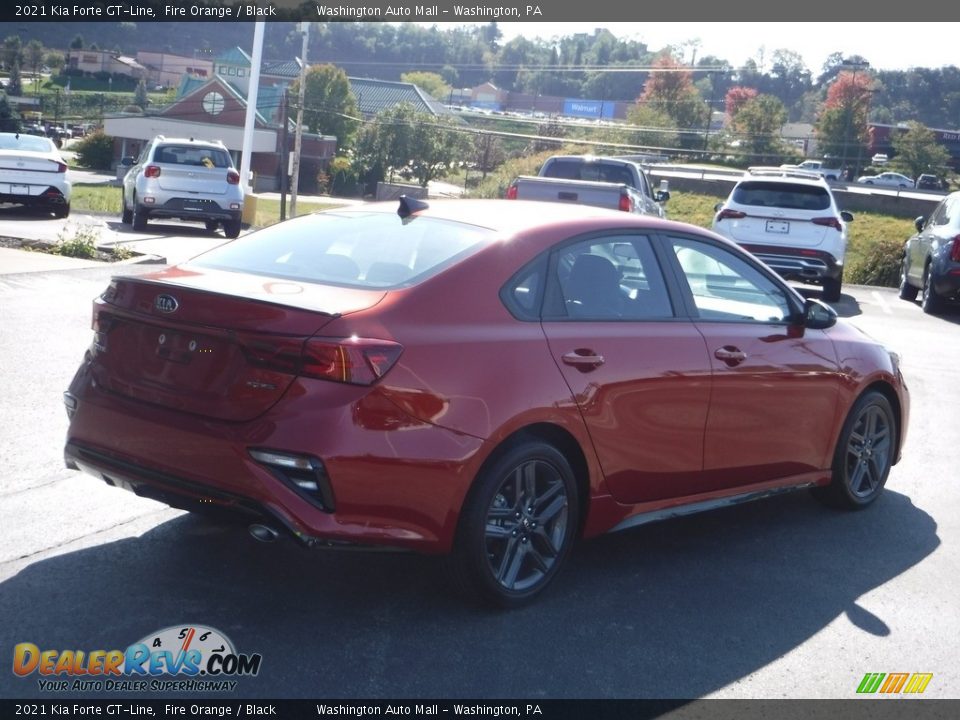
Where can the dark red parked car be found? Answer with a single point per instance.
(483, 379)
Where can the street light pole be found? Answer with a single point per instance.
(298, 135)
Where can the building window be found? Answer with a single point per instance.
(240, 72)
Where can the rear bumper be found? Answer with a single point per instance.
(796, 264)
(188, 209)
(37, 196)
(382, 493)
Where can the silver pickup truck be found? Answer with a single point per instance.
(588, 180)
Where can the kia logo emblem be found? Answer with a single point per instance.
(166, 303)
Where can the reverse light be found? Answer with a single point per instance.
(151, 171)
(828, 222)
(511, 192)
(727, 214)
(233, 177)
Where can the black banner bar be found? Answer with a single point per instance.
(741, 12)
(858, 709)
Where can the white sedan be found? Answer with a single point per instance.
(887, 179)
(33, 173)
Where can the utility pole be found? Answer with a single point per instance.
(298, 136)
(284, 156)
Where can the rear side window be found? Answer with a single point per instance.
(781, 195)
(355, 249)
(191, 155)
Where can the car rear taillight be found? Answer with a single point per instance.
(233, 177)
(727, 214)
(511, 192)
(61, 167)
(358, 361)
(955, 250)
(625, 203)
(828, 222)
(151, 171)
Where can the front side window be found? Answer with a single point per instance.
(726, 287)
(608, 278)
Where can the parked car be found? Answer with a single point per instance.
(189, 179)
(790, 220)
(484, 379)
(931, 258)
(930, 182)
(887, 179)
(34, 174)
(880, 159)
(828, 168)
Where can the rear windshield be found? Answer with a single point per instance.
(351, 248)
(190, 155)
(31, 143)
(594, 171)
(781, 195)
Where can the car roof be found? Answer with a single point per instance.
(189, 141)
(784, 178)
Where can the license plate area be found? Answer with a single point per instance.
(781, 227)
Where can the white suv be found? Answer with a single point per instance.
(790, 220)
(186, 179)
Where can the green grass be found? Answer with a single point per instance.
(106, 199)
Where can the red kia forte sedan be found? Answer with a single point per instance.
(488, 380)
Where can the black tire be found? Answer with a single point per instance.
(211, 225)
(907, 291)
(231, 228)
(831, 289)
(930, 302)
(62, 211)
(864, 455)
(517, 526)
(126, 215)
(139, 218)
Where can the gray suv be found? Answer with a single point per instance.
(186, 179)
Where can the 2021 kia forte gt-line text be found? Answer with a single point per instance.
(487, 380)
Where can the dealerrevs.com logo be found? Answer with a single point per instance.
(178, 658)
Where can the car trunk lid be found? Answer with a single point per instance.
(217, 344)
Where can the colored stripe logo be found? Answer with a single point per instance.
(894, 683)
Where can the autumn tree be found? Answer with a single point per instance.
(669, 90)
(736, 98)
(330, 107)
(842, 125)
(917, 151)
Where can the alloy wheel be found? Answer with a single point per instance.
(869, 450)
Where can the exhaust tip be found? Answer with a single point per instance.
(263, 533)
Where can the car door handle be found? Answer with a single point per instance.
(583, 359)
(730, 355)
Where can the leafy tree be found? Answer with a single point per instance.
(77, 43)
(140, 98)
(488, 153)
(12, 51)
(759, 122)
(917, 151)
(669, 90)
(9, 122)
(54, 60)
(403, 140)
(430, 82)
(651, 127)
(329, 105)
(842, 125)
(95, 150)
(14, 84)
(33, 55)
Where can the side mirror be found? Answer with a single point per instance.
(918, 223)
(818, 315)
(716, 208)
(661, 196)
(846, 215)
(127, 161)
